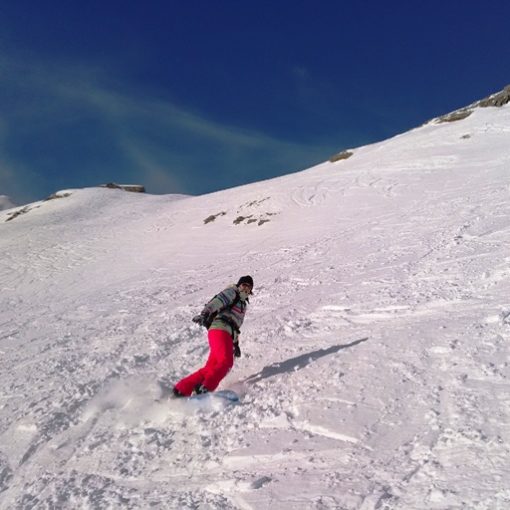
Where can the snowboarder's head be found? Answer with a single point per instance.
(245, 284)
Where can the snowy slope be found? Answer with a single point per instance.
(375, 369)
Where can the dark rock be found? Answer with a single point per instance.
(54, 196)
(136, 188)
(340, 156)
(454, 116)
(211, 218)
(499, 99)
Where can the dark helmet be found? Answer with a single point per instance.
(245, 279)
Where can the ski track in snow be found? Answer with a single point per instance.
(375, 370)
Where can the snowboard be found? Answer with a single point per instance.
(224, 396)
(228, 396)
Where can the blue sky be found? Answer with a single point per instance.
(192, 97)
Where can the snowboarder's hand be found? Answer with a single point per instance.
(237, 350)
(200, 319)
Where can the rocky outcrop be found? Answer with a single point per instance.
(454, 116)
(340, 156)
(212, 217)
(136, 188)
(498, 99)
(58, 194)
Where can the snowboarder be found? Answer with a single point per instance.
(223, 317)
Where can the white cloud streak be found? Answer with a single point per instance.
(160, 141)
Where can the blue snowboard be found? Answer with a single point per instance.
(228, 396)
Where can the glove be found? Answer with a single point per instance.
(237, 350)
(200, 319)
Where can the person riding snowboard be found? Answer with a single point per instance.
(223, 317)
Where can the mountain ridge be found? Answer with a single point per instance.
(496, 99)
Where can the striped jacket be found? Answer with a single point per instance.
(228, 318)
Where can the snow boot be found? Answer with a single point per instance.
(177, 393)
(200, 389)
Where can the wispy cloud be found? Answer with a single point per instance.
(148, 124)
(73, 123)
(16, 180)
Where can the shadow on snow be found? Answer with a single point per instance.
(299, 362)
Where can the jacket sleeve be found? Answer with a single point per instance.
(220, 301)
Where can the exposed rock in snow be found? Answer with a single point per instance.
(137, 188)
(498, 99)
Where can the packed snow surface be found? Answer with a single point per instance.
(376, 366)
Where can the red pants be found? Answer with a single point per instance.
(220, 361)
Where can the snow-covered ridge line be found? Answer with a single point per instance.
(497, 99)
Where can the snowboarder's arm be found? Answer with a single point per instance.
(220, 301)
